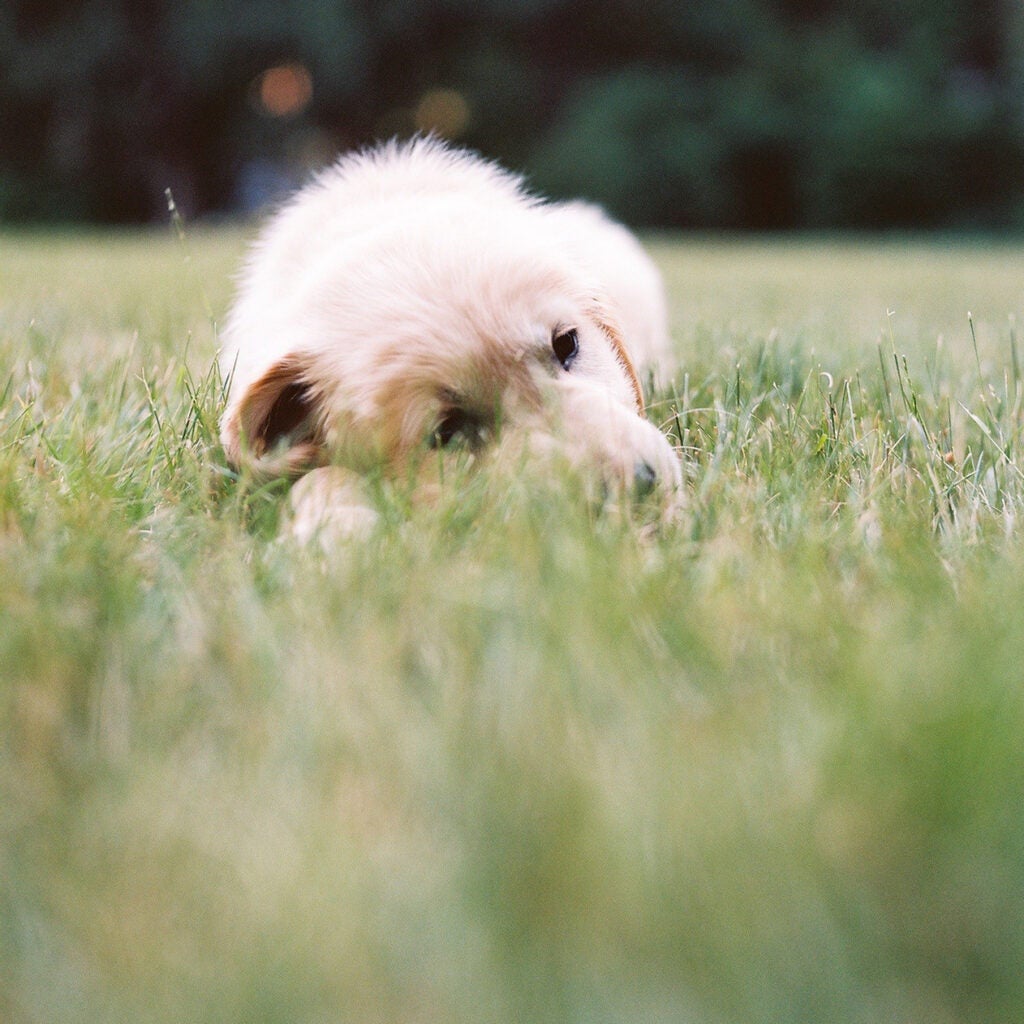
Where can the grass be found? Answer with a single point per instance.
(508, 760)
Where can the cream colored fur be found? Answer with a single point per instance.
(414, 280)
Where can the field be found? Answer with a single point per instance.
(514, 758)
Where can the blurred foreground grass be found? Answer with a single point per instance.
(508, 761)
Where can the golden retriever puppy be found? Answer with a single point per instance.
(416, 295)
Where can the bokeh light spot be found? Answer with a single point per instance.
(285, 90)
(444, 112)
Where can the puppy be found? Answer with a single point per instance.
(416, 295)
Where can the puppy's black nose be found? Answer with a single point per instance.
(645, 477)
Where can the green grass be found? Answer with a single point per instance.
(512, 759)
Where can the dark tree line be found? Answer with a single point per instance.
(740, 113)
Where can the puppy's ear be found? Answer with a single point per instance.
(275, 428)
(607, 322)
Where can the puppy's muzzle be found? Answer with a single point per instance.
(645, 478)
(607, 441)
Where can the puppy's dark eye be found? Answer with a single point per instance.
(451, 425)
(459, 425)
(565, 345)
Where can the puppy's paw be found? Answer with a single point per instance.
(329, 507)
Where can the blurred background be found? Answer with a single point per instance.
(737, 114)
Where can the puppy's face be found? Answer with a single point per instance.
(484, 351)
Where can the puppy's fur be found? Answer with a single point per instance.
(417, 294)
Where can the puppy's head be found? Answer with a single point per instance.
(447, 347)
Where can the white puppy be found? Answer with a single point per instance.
(416, 294)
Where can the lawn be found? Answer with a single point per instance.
(513, 758)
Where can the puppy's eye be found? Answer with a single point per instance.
(565, 345)
(459, 425)
(451, 425)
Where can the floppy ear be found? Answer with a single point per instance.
(606, 321)
(274, 427)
